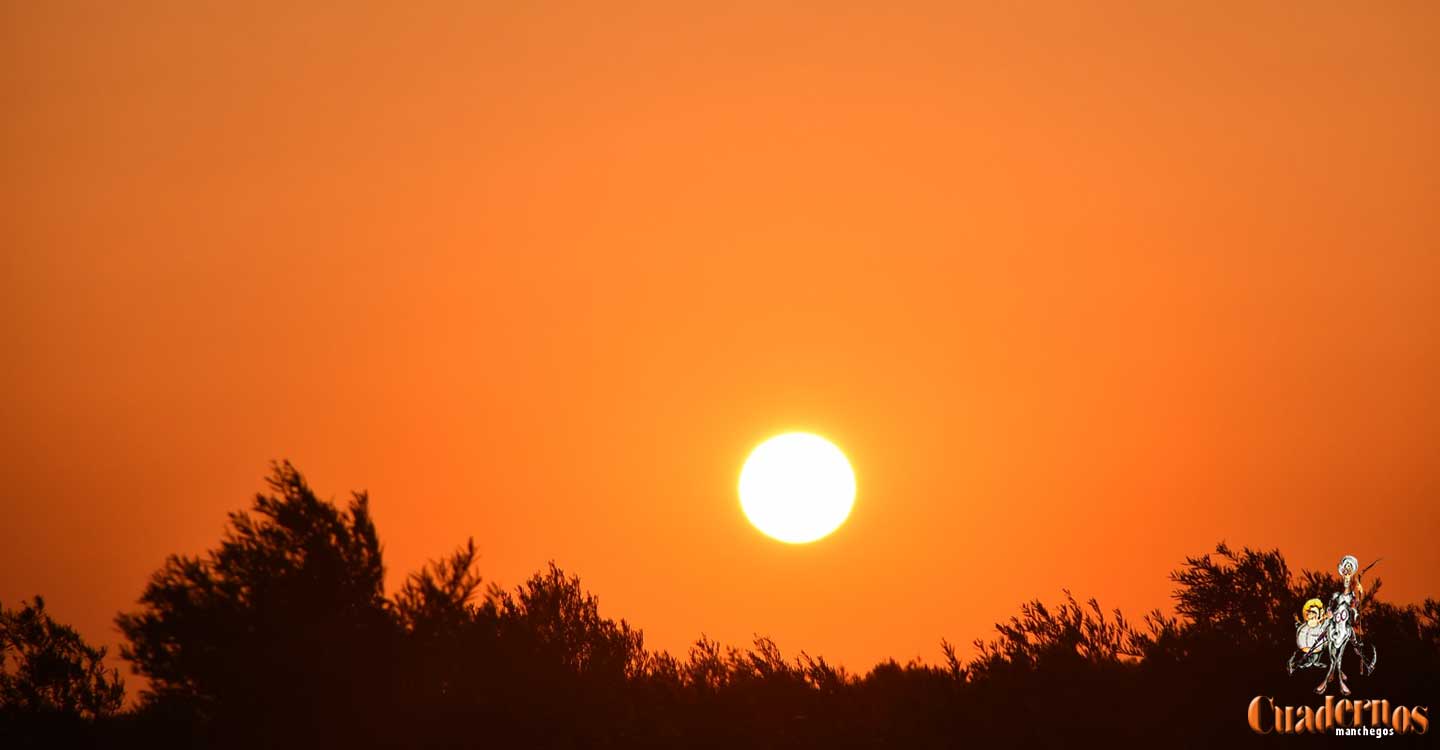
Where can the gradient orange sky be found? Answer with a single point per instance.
(1080, 291)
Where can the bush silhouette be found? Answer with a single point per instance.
(47, 668)
(284, 636)
(53, 685)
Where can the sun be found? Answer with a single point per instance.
(797, 487)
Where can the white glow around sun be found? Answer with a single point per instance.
(797, 487)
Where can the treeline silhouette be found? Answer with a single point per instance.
(283, 636)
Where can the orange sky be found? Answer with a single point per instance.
(1079, 292)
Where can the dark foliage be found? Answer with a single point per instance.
(283, 637)
(52, 683)
(282, 631)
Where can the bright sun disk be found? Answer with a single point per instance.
(797, 487)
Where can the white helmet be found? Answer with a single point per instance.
(1350, 562)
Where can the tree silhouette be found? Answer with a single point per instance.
(276, 632)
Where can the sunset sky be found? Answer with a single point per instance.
(1078, 291)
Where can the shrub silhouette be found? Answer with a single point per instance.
(283, 636)
(54, 670)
